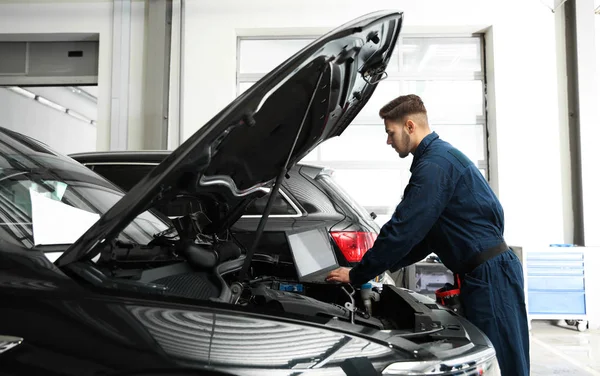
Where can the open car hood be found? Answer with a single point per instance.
(312, 96)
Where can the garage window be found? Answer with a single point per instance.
(447, 72)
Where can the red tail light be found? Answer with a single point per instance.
(354, 244)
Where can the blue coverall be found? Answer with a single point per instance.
(449, 208)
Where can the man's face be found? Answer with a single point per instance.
(398, 137)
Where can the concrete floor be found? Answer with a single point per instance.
(559, 349)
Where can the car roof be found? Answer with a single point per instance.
(148, 156)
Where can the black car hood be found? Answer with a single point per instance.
(241, 150)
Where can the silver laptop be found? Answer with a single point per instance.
(313, 253)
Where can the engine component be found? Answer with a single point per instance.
(228, 251)
(200, 256)
(367, 294)
(295, 303)
(236, 291)
(350, 306)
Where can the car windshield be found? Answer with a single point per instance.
(46, 198)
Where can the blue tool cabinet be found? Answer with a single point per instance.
(555, 284)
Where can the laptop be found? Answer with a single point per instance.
(313, 253)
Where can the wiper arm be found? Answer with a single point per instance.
(277, 185)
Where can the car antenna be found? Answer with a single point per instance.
(277, 185)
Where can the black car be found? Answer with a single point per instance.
(94, 282)
(308, 194)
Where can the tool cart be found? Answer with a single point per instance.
(555, 284)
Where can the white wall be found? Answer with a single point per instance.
(65, 97)
(175, 136)
(136, 74)
(70, 17)
(590, 134)
(528, 110)
(525, 77)
(89, 16)
(597, 40)
(56, 129)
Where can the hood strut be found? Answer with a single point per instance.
(276, 186)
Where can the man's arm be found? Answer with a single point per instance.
(418, 253)
(429, 191)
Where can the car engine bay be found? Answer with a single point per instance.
(184, 262)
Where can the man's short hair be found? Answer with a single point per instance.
(403, 106)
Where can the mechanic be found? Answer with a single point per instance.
(449, 208)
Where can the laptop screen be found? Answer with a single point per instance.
(312, 251)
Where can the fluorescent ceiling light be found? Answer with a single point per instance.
(82, 92)
(78, 116)
(51, 104)
(22, 92)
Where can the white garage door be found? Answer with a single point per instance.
(447, 72)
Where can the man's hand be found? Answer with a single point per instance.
(340, 275)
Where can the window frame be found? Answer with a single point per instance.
(483, 164)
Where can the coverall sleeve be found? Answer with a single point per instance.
(425, 198)
(418, 253)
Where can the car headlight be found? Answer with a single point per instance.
(483, 363)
